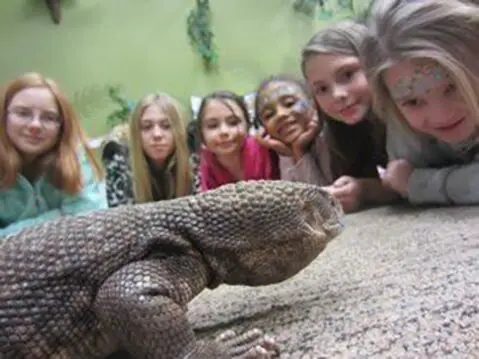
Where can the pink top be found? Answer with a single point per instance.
(257, 162)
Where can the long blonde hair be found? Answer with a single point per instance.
(181, 179)
(445, 31)
(61, 163)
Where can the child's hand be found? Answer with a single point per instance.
(310, 132)
(397, 176)
(348, 191)
(267, 141)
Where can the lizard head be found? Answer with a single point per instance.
(264, 232)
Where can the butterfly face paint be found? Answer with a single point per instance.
(273, 94)
(428, 99)
(425, 78)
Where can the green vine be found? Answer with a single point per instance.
(120, 115)
(323, 9)
(201, 35)
(307, 7)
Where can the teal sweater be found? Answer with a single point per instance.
(27, 204)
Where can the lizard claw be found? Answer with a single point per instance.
(253, 344)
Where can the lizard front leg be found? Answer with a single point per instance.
(144, 305)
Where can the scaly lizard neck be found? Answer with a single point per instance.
(168, 234)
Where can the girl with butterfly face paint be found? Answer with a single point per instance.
(288, 125)
(431, 95)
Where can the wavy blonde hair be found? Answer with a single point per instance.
(445, 31)
(61, 163)
(179, 163)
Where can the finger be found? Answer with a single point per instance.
(278, 146)
(381, 171)
(392, 165)
(339, 193)
(260, 132)
(328, 189)
(342, 181)
(312, 127)
(269, 142)
(309, 134)
(261, 140)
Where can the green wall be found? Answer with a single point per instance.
(142, 45)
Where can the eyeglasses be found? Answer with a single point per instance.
(25, 115)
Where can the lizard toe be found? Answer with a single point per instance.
(226, 335)
(260, 352)
(252, 344)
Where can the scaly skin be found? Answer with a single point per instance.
(120, 279)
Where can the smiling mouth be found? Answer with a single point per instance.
(452, 126)
(286, 131)
(34, 138)
(286, 128)
(348, 109)
(226, 144)
(159, 147)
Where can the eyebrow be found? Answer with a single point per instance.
(319, 83)
(51, 110)
(155, 120)
(342, 68)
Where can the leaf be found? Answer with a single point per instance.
(200, 33)
(89, 100)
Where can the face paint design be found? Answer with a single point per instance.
(425, 78)
(273, 95)
(301, 106)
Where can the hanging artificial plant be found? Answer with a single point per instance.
(121, 114)
(307, 7)
(200, 34)
(54, 8)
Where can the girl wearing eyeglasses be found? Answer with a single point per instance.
(46, 168)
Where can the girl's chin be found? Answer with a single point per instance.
(290, 139)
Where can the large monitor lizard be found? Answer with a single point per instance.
(89, 285)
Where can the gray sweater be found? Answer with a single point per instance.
(443, 173)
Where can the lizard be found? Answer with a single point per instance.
(119, 280)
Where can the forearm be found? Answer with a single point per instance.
(449, 185)
(374, 191)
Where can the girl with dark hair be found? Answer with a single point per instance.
(228, 152)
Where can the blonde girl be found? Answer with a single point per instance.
(159, 153)
(421, 61)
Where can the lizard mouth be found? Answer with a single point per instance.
(321, 228)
